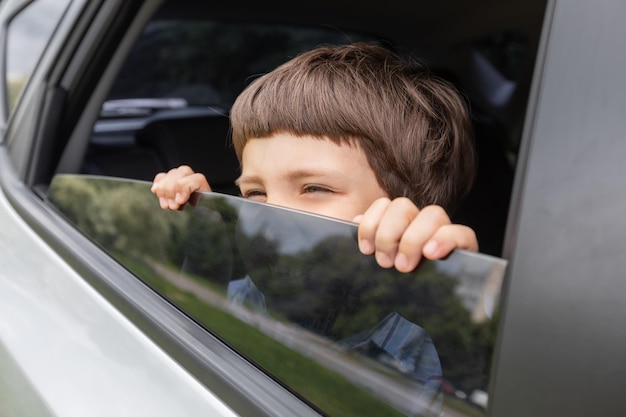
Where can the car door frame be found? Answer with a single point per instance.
(561, 340)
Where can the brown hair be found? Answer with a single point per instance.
(413, 126)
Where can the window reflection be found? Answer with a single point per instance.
(293, 294)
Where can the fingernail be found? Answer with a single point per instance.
(431, 248)
(402, 263)
(383, 260)
(366, 247)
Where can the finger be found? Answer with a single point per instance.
(184, 189)
(368, 224)
(397, 218)
(157, 189)
(155, 182)
(418, 234)
(175, 187)
(168, 187)
(164, 183)
(448, 238)
(357, 219)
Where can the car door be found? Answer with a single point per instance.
(563, 334)
(557, 342)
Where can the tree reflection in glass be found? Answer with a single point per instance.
(292, 293)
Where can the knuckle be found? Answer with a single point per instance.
(436, 213)
(435, 210)
(185, 169)
(367, 226)
(385, 240)
(404, 208)
(409, 241)
(403, 203)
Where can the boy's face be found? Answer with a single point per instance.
(309, 174)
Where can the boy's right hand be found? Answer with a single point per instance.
(399, 234)
(175, 187)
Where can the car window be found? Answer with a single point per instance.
(291, 292)
(27, 36)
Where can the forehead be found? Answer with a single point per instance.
(285, 153)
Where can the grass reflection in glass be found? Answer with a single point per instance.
(322, 387)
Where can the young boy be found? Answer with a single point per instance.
(356, 133)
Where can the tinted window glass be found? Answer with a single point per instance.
(27, 37)
(294, 295)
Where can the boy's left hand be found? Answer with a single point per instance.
(399, 234)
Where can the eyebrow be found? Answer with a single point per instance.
(292, 175)
(249, 178)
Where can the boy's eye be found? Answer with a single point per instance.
(258, 195)
(316, 189)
